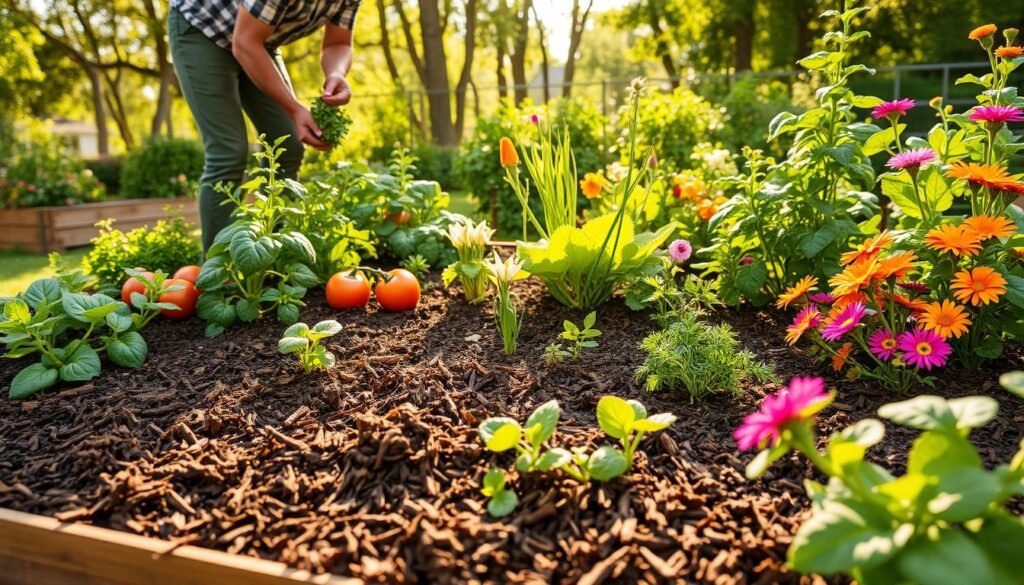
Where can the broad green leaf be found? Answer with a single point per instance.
(296, 330)
(938, 452)
(329, 327)
(638, 408)
(489, 426)
(615, 416)
(552, 459)
(287, 313)
(750, 279)
(1013, 382)
(1002, 539)
(289, 345)
(129, 350)
(32, 379)
(80, 365)
(504, 438)
(253, 253)
(213, 308)
(17, 310)
(212, 274)
(973, 412)
(247, 310)
(297, 246)
(301, 275)
(924, 413)
(494, 482)
(546, 415)
(502, 504)
(964, 494)
(843, 535)
(654, 423)
(951, 559)
(43, 290)
(88, 308)
(606, 463)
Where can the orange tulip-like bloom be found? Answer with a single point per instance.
(1010, 52)
(986, 226)
(870, 248)
(979, 286)
(855, 278)
(795, 292)
(954, 239)
(507, 152)
(991, 176)
(947, 318)
(898, 265)
(592, 185)
(706, 210)
(842, 354)
(982, 31)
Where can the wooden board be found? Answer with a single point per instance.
(37, 550)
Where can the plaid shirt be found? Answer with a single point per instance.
(291, 19)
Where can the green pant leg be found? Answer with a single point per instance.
(209, 78)
(270, 119)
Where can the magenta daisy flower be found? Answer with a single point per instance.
(911, 160)
(924, 349)
(821, 298)
(997, 114)
(845, 322)
(800, 401)
(895, 108)
(883, 344)
(746, 261)
(915, 287)
(680, 251)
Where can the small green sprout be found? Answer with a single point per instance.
(299, 339)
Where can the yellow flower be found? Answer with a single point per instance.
(979, 286)
(795, 292)
(947, 319)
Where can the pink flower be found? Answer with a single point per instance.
(912, 159)
(997, 114)
(535, 119)
(747, 261)
(31, 188)
(845, 322)
(883, 343)
(680, 251)
(924, 349)
(821, 298)
(800, 401)
(893, 109)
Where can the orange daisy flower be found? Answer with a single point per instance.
(868, 249)
(842, 354)
(592, 184)
(795, 292)
(1011, 52)
(507, 152)
(982, 31)
(947, 319)
(898, 265)
(986, 226)
(953, 239)
(706, 210)
(980, 174)
(979, 286)
(915, 305)
(855, 278)
(848, 299)
(807, 318)
(1010, 187)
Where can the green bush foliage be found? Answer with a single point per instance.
(699, 358)
(750, 106)
(162, 168)
(107, 170)
(166, 246)
(673, 123)
(41, 173)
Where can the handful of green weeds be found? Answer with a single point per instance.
(333, 122)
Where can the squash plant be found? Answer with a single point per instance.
(252, 269)
(796, 217)
(68, 329)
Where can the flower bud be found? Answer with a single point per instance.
(936, 102)
(1010, 34)
(652, 161)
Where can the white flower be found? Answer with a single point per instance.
(469, 235)
(506, 271)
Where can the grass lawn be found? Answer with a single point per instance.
(18, 270)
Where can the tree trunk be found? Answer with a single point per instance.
(804, 15)
(518, 56)
(579, 23)
(389, 59)
(436, 75)
(661, 45)
(99, 111)
(743, 35)
(467, 69)
(545, 66)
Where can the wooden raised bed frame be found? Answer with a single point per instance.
(55, 229)
(37, 549)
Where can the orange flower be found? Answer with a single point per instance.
(898, 265)
(842, 354)
(507, 152)
(947, 319)
(870, 248)
(953, 239)
(706, 210)
(795, 292)
(807, 318)
(848, 299)
(915, 305)
(991, 176)
(1010, 52)
(592, 184)
(979, 286)
(982, 31)
(986, 226)
(855, 278)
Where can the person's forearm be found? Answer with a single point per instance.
(259, 66)
(336, 59)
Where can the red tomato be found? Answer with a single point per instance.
(134, 285)
(400, 218)
(185, 299)
(348, 290)
(189, 273)
(401, 293)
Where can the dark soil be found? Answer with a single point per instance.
(373, 469)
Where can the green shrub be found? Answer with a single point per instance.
(750, 106)
(162, 168)
(107, 170)
(697, 357)
(436, 163)
(166, 246)
(41, 173)
(673, 123)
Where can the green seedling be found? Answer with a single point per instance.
(301, 340)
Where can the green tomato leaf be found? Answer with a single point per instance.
(289, 345)
(546, 415)
(504, 438)
(503, 503)
(80, 365)
(247, 310)
(923, 413)
(845, 534)
(552, 459)
(287, 313)
(32, 379)
(129, 350)
(47, 290)
(951, 559)
(606, 463)
(615, 416)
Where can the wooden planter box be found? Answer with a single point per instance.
(38, 549)
(55, 229)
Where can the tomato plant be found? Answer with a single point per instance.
(189, 273)
(185, 298)
(400, 218)
(134, 285)
(348, 290)
(399, 293)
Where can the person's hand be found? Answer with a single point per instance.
(336, 90)
(306, 128)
